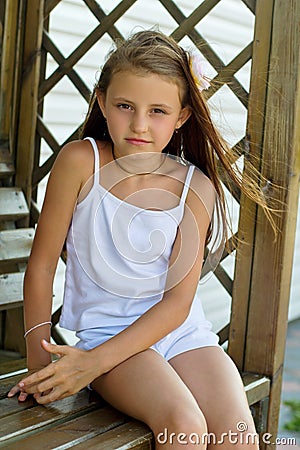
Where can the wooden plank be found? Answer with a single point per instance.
(272, 266)
(7, 74)
(35, 418)
(131, 435)
(84, 46)
(194, 18)
(73, 432)
(15, 245)
(13, 205)
(257, 387)
(14, 331)
(77, 81)
(7, 383)
(7, 168)
(98, 12)
(12, 366)
(272, 263)
(25, 132)
(202, 44)
(10, 406)
(11, 290)
(248, 210)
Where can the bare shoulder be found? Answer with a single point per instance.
(76, 153)
(202, 193)
(76, 160)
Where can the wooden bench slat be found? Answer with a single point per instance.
(131, 435)
(7, 383)
(37, 417)
(7, 168)
(257, 387)
(73, 432)
(13, 204)
(10, 406)
(15, 245)
(11, 290)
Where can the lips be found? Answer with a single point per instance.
(135, 141)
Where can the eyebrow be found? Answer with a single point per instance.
(154, 105)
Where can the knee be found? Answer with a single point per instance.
(181, 425)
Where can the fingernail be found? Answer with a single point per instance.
(21, 384)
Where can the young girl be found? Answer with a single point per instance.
(135, 199)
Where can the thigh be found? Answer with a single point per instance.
(147, 388)
(216, 384)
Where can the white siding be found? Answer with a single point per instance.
(228, 28)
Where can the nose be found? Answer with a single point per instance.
(139, 123)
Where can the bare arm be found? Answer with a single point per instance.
(62, 190)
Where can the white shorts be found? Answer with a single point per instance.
(195, 332)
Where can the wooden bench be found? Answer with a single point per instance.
(83, 420)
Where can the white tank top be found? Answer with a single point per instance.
(117, 257)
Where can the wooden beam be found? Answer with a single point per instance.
(33, 25)
(262, 283)
(84, 46)
(248, 210)
(8, 60)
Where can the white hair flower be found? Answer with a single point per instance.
(196, 68)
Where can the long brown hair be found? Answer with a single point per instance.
(198, 141)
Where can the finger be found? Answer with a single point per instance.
(14, 390)
(54, 395)
(59, 350)
(36, 377)
(23, 396)
(45, 386)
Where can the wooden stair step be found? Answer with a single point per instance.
(15, 245)
(7, 168)
(13, 204)
(11, 290)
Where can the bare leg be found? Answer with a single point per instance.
(147, 388)
(215, 383)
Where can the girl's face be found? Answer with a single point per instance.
(142, 112)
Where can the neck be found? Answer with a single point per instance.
(138, 170)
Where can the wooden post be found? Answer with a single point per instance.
(24, 133)
(33, 25)
(270, 263)
(8, 69)
(248, 211)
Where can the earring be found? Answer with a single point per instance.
(176, 131)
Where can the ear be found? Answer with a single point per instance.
(183, 116)
(101, 102)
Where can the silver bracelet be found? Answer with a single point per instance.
(36, 326)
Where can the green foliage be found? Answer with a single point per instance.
(294, 423)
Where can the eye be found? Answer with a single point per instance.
(158, 111)
(124, 106)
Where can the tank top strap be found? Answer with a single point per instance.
(97, 159)
(187, 183)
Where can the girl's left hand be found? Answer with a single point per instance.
(62, 378)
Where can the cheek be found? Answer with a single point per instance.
(166, 128)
